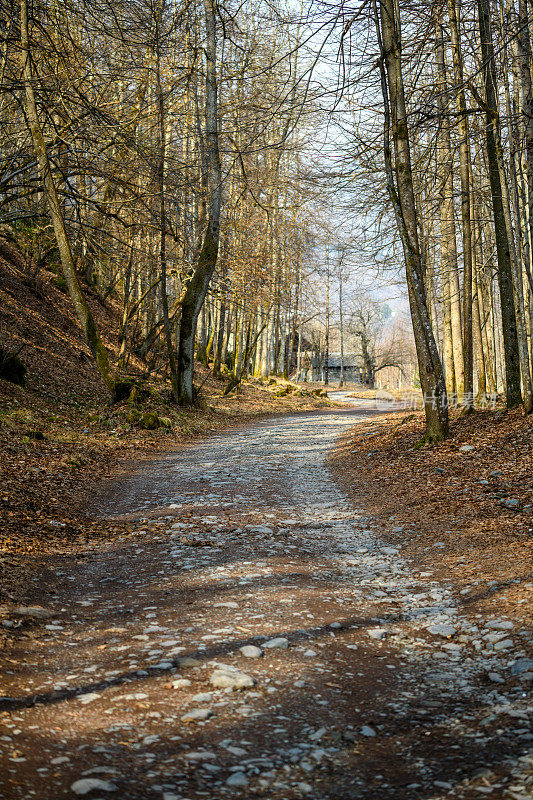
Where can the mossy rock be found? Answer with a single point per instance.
(165, 422)
(131, 390)
(133, 417)
(139, 394)
(12, 368)
(149, 421)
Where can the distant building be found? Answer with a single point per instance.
(313, 367)
(351, 367)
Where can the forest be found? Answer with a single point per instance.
(207, 166)
(266, 394)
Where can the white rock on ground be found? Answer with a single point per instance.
(197, 715)
(442, 630)
(86, 785)
(280, 643)
(181, 683)
(238, 780)
(222, 679)
(251, 651)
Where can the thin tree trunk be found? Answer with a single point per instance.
(523, 44)
(516, 261)
(478, 343)
(524, 174)
(482, 303)
(464, 158)
(207, 258)
(123, 333)
(326, 344)
(83, 311)
(341, 325)
(453, 337)
(505, 271)
(400, 187)
(220, 337)
(162, 136)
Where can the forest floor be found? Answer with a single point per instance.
(254, 627)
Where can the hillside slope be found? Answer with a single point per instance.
(37, 316)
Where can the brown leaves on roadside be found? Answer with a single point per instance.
(466, 503)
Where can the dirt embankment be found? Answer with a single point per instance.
(462, 508)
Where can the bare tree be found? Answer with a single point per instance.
(400, 187)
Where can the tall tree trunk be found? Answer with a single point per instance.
(326, 343)
(523, 45)
(466, 214)
(341, 326)
(516, 248)
(207, 258)
(400, 187)
(161, 167)
(505, 272)
(524, 175)
(453, 335)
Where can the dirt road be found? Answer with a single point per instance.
(258, 637)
